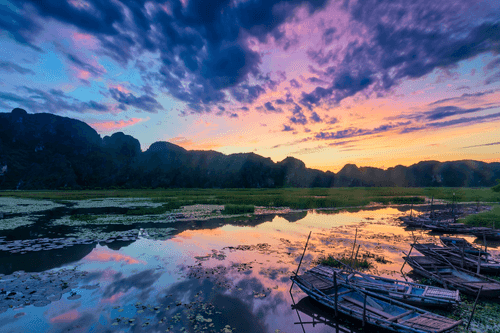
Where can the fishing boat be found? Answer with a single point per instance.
(371, 308)
(458, 258)
(450, 228)
(406, 292)
(488, 233)
(452, 277)
(460, 244)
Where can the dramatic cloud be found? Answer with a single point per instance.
(145, 102)
(356, 132)
(54, 101)
(10, 67)
(405, 42)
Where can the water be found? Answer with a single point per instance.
(216, 275)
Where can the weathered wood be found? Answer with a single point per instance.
(368, 307)
(474, 307)
(404, 314)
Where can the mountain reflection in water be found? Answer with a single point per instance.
(217, 275)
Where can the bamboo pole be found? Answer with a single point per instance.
(411, 209)
(336, 292)
(474, 308)
(364, 311)
(463, 254)
(354, 245)
(432, 208)
(356, 257)
(297, 272)
(485, 245)
(479, 262)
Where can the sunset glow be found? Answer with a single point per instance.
(374, 83)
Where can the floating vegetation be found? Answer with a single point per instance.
(25, 206)
(238, 209)
(16, 222)
(337, 262)
(153, 210)
(39, 289)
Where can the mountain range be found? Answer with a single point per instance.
(46, 151)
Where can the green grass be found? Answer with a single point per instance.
(294, 198)
(238, 209)
(484, 219)
(334, 262)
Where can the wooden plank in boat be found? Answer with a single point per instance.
(428, 321)
(368, 307)
(316, 281)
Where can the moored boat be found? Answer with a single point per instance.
(455, 257)
(453, 277)
(458, 243)
(403, 291)
(370, 308)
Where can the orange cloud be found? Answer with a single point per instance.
(119, 87)
(106, 255)
(82, 74)
(190, 145)
(113, 298)
(66, 317)
(108, 126)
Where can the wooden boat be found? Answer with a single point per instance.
(453, 277)
(456, 258)
(403, 291)
(321, 314)
(458, 243)
(370, 308)
(450, 228)
(488, 233)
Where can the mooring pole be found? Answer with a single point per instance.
(364, 311)
(474, 308)
(411, 209)
(485, 245)
(354, 246)
(479, 261)
(463, 253)
(336, 291)
(406, 258)
(303, 253)
(432, 207)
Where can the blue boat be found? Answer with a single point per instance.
(403, 291)
(371, 308)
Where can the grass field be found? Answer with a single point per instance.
(289, 197)
(484, 219)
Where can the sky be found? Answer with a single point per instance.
(374, 83)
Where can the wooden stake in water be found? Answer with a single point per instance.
(364, 311)
(336, 291)
(356, 257)
(485, 245)
(474, 308)
(305, 247)
(432, 207)
(354, 245)
(479, 261)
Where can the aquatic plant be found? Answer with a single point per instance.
(337, 262)
(484, 219)
(238, 209)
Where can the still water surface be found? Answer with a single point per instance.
(207, 276)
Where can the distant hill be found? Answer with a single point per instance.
(45, 151)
